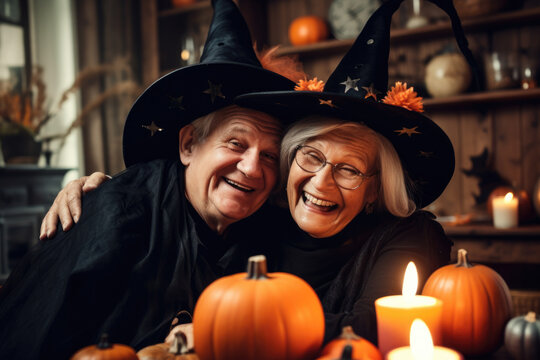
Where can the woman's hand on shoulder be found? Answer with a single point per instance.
(67, 204)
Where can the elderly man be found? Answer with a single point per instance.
(156, 235)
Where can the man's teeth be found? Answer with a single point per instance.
(237, 185)
(319, 202)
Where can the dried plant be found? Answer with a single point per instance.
(31, 110)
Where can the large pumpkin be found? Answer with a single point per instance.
(256, 315)
(307, 30)
(361, 348)
(106, 351)
(522, 337)
(476, 305)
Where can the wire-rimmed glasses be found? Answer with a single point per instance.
(312, 160)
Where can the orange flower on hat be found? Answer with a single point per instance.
(310, 85)
(405, 97)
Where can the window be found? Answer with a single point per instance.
(15, 64)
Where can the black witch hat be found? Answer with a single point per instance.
(228, 68)
(353, 93)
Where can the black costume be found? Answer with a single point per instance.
(139, 254)
(350, 270)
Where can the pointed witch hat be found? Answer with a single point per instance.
(228, 67)
(353, 93)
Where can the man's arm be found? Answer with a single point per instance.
(67, 204)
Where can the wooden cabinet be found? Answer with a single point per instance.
(505, 122)
(26, 192)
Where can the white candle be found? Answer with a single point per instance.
(395, 314)
(505, 211)
(422, 346)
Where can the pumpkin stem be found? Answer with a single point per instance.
(104, 342)
(531, 316)
(257, 267)
(347, 352)
(348, 333)
(462, 259)
(179, 345)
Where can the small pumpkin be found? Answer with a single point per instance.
(346, 354)
(360, 348)
(522, 337)
(105, 350)
(258, 315)
(476, 305)
(308, 30)
(178, 350)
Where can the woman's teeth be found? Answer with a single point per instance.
(318, 202)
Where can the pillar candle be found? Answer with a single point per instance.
(421, 347)
(395, 314)
(505, 211)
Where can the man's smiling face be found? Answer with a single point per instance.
(232, 172)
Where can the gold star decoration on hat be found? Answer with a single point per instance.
(408, 131)
(176, 102)
(326, 102)
(214, 90)
(152, 127)
(350, 84)
(371, 92)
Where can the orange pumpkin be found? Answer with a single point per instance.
(525, 206)
(105, 350)
(256, 315)
(476, 305)
(361, 348)
(308, 30)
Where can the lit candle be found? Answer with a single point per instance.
(395, 314)
(422, 347)
(505, 211)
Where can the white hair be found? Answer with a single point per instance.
(393, 195)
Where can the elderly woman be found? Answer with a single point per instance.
(353, 228)
(357, 168)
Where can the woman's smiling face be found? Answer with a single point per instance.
(318, 205)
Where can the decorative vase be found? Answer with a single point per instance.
(447, 74)
(20, 148)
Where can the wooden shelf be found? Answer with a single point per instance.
(482, 230)
(441, 29)
(487, 97)
(199, 5)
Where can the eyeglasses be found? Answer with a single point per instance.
(312, 160)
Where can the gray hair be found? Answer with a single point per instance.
(393, 182)
(204, 125)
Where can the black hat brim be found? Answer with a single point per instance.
(426, 152)
(178, 98)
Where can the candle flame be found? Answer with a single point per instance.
(508, 197)
(410, 281)
(421, 341)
